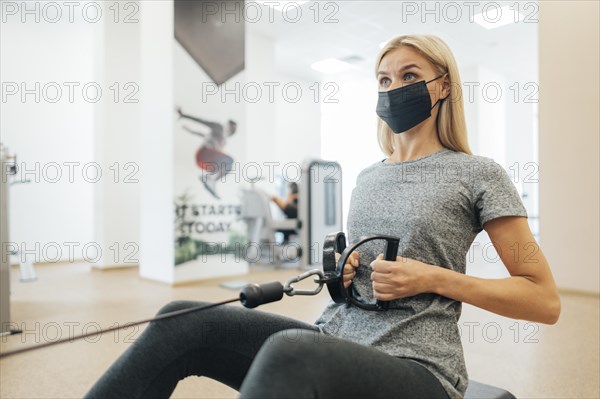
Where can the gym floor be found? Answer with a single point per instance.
(530, 360)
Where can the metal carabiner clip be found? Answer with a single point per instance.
(291, 291)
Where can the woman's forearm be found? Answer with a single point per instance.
(280, 203)
(516, 297)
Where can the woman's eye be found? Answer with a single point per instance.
(384, 82)
(409, 76)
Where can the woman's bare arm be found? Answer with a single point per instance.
(530, 293)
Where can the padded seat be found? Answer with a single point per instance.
(477, 390)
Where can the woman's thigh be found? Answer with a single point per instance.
(219, 343)
(308, 364)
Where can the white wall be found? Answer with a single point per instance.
(486, 114)
(98, 134)
(349, 132)
(298, 120)
(568, 142)
(283, 129)
(43, 132)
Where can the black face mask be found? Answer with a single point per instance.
(405, 107)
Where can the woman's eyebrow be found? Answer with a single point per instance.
(405, 67)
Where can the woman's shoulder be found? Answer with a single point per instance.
(459, 156)
(454, 163)
(471, 165)
(372, 168)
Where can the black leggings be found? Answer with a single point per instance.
(261, 355)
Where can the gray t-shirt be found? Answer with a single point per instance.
(436, 205)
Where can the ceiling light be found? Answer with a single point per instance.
(330, 65)
(498, 17)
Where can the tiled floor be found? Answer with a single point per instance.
(530, 360)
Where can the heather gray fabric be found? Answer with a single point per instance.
(436, 205)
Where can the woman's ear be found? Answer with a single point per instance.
(445, 87)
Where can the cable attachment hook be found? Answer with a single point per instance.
(253, 295)
(291, 291)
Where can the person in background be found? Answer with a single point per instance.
(289, 207)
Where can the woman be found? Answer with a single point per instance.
(432, 194)
(289, 206)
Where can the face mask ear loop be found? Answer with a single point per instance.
(439, 99)
(435, 78)
(437, 118)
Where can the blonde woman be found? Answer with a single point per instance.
(436, 197)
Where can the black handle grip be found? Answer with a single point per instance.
(254, 295)
(340, 243)
(391, 249)
(391, 252)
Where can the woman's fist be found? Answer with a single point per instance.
(400, 278)
(349, 267)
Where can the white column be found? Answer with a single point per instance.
(156, 140)
(116, 135)
(284, 125)
(485, 112)
(568, 142)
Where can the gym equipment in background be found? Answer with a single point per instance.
(319, 212)
(262, 246)
(8, 162)
(319, 207)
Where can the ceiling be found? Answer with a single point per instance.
(356, 28)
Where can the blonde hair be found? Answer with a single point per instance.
(451, 125)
